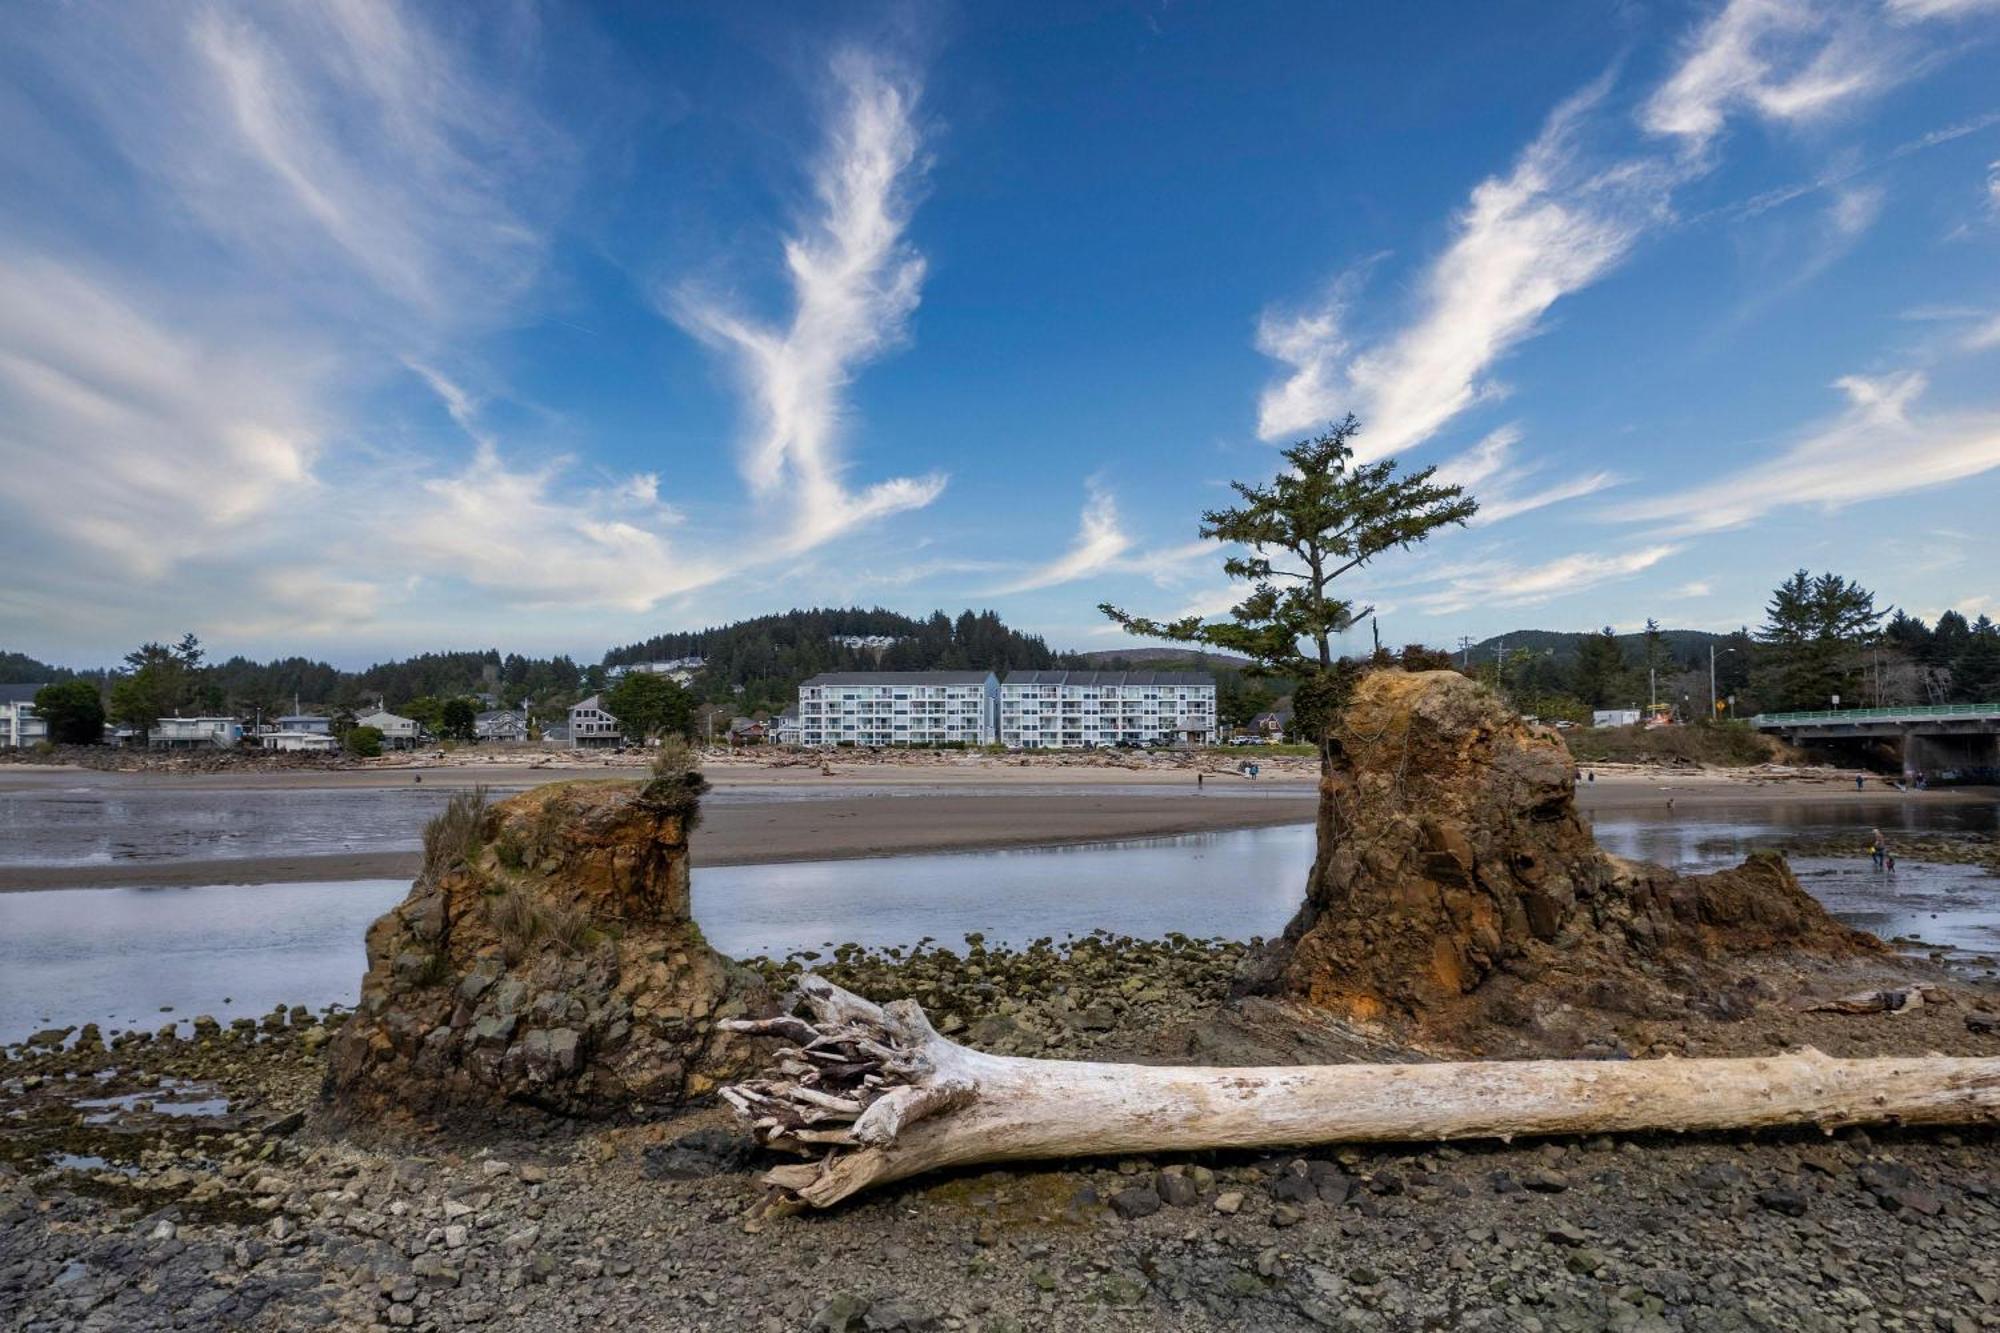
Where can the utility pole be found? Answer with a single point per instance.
(1465, 653)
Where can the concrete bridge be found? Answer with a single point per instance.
(1935, 739)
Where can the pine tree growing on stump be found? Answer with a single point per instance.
(1324, 517)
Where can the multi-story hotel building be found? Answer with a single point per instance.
(899, 708)
(1030, 710)
(1045, 709)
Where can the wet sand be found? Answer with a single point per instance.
(753, 832)
(886, 810)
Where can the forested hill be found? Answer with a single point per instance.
(766, 658)
(21, 669)
(1562, 647)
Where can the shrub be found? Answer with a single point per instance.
(522, 924)
(453, 834)
(365, 742)
(677, 783)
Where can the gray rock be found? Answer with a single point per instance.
(1176, 1190)
(1135, 1202)
(842, 1314)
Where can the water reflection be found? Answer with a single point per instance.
(142, 957)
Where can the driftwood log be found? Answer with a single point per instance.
(872, 1094)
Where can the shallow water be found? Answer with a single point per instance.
(142, 957)
(113, 819)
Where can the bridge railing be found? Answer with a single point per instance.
(1921, 713)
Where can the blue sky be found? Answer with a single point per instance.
(358, 329)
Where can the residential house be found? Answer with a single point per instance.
(317, 742)
(590, 724)
(876, 708)
(502, 724)
(1044, 709)
(398, 732)
(556, 733)
(786, 730)
(317, 723)
(1273, 725)
(748, 731)
(18, 724)
(195, 733)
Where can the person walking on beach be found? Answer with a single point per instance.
(1198, 779)
(1878, 853)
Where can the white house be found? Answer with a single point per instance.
(318, 723)
(18, 724)
(501, 725)
(899, 708)
(590, 724)
(191, 733)
(398, 732)
(1044, 709)
(317, 742)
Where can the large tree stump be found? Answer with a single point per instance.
(546, 957)
(1452, 858)
(871, 1094)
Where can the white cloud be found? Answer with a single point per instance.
(855, 282)
(352, 121)
(1525, 240)
(1879, 447)
(1561, 219)
(1698, 588)
(1784, 60)
(1854, 210)
(1499, 582)
(542, 541)
(1099, 544)
(1985, 336)
(151, 442)
(1917, 10)
(1489, 473)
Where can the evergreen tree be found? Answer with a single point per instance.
(1323, 517)
(1600, 668)
(1811, 627)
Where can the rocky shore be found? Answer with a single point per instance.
(195, 1182)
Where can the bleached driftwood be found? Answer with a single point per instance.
(873, 1094)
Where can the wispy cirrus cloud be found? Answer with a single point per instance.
(1490, 472)
(1566, 214)
(1881, 445)
(1100, 543)
(855, 282)
(1554, 223)
(169, 443)
(1502, 582)
(1783, 60)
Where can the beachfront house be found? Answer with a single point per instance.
(786, 730)
(1070, 709)
(316, 723)
(18, 724)
(590, 724)
(870, 708)
(556, 733)
(195, 733)
(398, 732)
(307, 742)
(502, 724)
